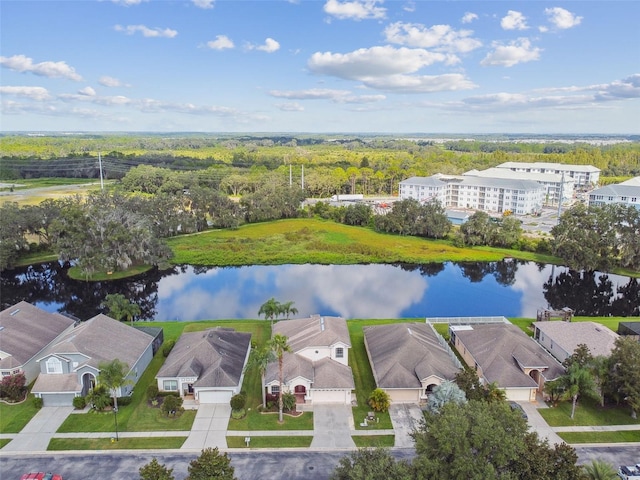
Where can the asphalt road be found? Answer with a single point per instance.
(250, 465)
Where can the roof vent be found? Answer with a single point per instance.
(409, 330)
(14, 312)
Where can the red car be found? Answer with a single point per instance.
(41, 476)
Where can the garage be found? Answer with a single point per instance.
(214, 396)
(330, 396)
(57, 399)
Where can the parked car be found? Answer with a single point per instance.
(629, 473)
(516, 407)
(41, 476)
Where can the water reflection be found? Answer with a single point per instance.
(510, 288)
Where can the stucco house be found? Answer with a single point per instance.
(561, 339)
(208, 365)
(317, 369)
(25, 332)
(408, 360)
(69, 367)
(504, 354)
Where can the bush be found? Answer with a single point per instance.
(79, 403)
(379, 400)
(167, 347)
(99, 397)
(13, 387)
(238, 414)
(123, 401)
(238, 402)
(172, 404)
(288, 402)
(152, 391)
(38, 402)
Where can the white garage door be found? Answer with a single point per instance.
(328, 396)
(57, 399)
(518, 395)
(214, 396)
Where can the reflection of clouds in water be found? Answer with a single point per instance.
(198, 304)
(175, 284)
(529, 281)
(353, 291)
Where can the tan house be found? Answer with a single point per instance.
(317, 369)
(504, 354)
(408, 360)
(561, 339)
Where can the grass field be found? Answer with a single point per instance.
(136, 443)
(271, 442)
(619, 436)
(373, 441)
(588, 413)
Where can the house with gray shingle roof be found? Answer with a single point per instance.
(25, 332)
(208, 365)
(69, 367)
(408, 360)
(317, 369)
(561, 339)
(504, 354)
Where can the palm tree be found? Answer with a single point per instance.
(600, 470)
(113, 375)
(278, 346)
(119, 307)
(287, 309)
(270, 309)
(260, 359)
(578, 381)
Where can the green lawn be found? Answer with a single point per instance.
(271, 442)
(373, 441)
(254, 420)
(4, 441)
(13, 417)
(601, 437)
(588, 413)
(136, 443)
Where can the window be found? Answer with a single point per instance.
(170, 385)
(339, 352)
(275, 389)
(54, 365)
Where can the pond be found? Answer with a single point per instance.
(511, 288)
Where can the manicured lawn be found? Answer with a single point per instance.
(373, 441)
(137, 443)
(588, 413)
(13, 417)
(4, 441)
(269, 421)
(271, 442)
(601, 437)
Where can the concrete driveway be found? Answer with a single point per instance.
(405, 418)
(36, 434)
(332, 425)
(209, 427)
(538, 424)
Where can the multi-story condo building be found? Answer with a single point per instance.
(494, 195)
(584, 176)
(626, 193)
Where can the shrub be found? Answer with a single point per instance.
(13, 387)
(172, 404)
(38, 402)
(167, 347)
(152, 391)
(99, 397)
(79, 403)
(123, 401)
(379, 400)
(288, 402)
(238, 414)
(238, 402)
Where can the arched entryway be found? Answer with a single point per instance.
(300, 392)
(88, 382)
(429, 390)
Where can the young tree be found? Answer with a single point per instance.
(270, 309)
(113, 375)
(287, 309)
(371, 464)
(379, 400)
(120, 308)
(155, 471)
(446, 392)
(578, 381)
(278, 345)
(211, 465)
(260, 359)
(13, 387)
(625, 372)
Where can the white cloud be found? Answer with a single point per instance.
(421, 83)
(355, 10)
(146, 31)
(290, 107)
(562, 18)
(128, 3)
(469, 17)
(518, 51)
(107, 81)
(33, 93)
(336, 96)
(206, 4)
(269, 46)
(438, 37)
(87, 91)
(24, 64)
(221, 42)
(514, 21)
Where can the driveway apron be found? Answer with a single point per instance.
(332, 426)
(36, 434)
(209, 428)
(538, 424)
(406, 419)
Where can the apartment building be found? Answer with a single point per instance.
(584, 176)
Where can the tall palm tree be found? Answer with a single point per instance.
(260, 359)
(113, 375)
(278, 345)
(270, 309)
(578, 381)
(119, 307)
(287, 309)
(600, 470)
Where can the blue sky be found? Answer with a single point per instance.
(320, 66)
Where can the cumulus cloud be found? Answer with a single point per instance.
(33, 93)
(269, 46)
(146, 31)
(222, 42)
(206, 4)
(107, 81)
(290, 107)
(518, 51)
(469, 17)
(24, 64)
(87, 91)
(128, 3)
(514, 21)
(438, 37)
(355, 10)
(421, 83)
(562, 18)
(336, 96)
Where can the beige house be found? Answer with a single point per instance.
(317, 369)
(408, 360)
(561, 339)
(504, 354)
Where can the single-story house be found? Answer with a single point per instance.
(561, 339)
(317, 369)
(208, 365)
(408, 360)
(69, 367)
(629, 328)
(25, 332)
(504, 354)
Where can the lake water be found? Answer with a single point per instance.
(510, 288)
